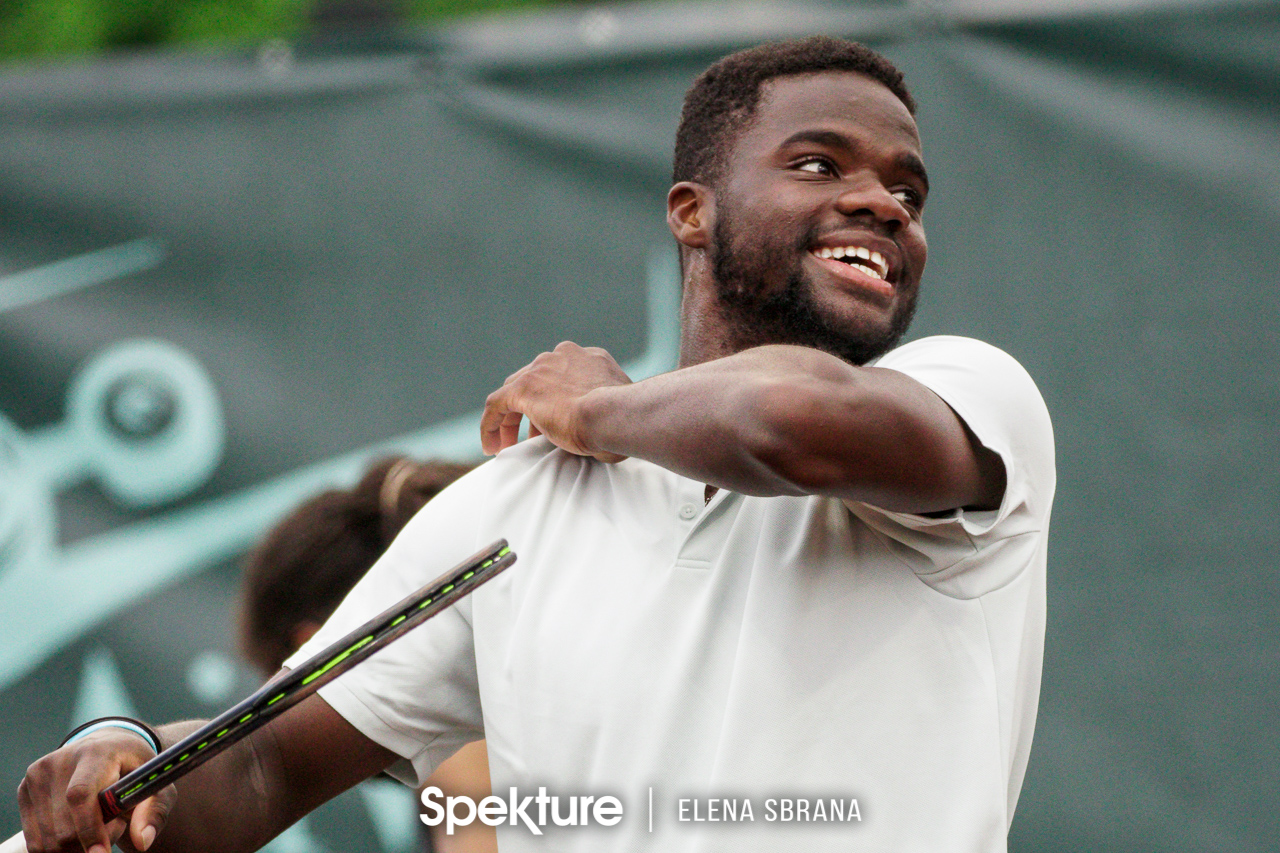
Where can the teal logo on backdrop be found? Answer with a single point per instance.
(143, 421)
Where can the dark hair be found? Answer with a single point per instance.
(306, 564)
(724, 98)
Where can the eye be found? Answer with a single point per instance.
(909, 197)
(815, 165)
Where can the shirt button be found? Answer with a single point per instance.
(688, 511)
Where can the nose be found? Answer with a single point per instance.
(865, 196)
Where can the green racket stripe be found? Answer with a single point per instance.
(339, 659)
(256, 710)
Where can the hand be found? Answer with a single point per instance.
(550, 392)
(59, 797)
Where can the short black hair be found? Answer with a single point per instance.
(309, 561)
(724, 98)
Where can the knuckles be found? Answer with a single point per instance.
(79, 794)
(42, 769)
(36, 774)
(54, 800)
(565, 355)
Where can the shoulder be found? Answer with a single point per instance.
(531, 486)
(988, 388)
(968, 553)
(999, 402)
(939, 354)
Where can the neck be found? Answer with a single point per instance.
(703, 336)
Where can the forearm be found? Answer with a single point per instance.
(784, 420)
(773, 420)
(723, 422)
(233, 802)
(242, 798)
(237, 801)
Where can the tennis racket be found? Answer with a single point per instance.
(277, 696)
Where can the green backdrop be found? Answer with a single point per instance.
(229, 279)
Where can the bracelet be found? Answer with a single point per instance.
(138, 727)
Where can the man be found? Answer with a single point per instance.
(775, 574)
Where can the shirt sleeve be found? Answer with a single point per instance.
(418, 696)
(968, 553)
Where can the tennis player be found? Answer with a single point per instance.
(798, 581)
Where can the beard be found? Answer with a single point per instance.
(760, 315)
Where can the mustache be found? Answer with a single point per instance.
(757, 315)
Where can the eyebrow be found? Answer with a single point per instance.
(905, 161)
(913, 164)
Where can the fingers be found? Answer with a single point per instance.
(60, 813)
(150, 816)
(58, 796)
(548, 392)
(500, 423)
(34, 813)
(509, 430)
(88, 778)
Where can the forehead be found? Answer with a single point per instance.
(844, 101)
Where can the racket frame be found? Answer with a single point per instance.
(285, 691)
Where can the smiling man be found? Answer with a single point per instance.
(778, 200)
(804, 567)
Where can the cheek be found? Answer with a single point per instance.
(919, 248)
(787, 228)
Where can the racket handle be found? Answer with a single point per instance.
(16, 844)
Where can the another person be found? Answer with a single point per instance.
(308, 562)
(805, 564)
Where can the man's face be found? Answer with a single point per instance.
(818, 239)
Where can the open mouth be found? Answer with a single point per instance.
(865, 260)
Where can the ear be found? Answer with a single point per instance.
(691, 214)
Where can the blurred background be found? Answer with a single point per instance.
(246, 246)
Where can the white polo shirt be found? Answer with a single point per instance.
(757, 650)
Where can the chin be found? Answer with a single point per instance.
(852, 328)
(864, 335)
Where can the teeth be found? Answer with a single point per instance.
(875, 265)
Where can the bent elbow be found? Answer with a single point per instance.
(800, 440)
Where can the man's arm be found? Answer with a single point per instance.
(237, 801)
(774, 420)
